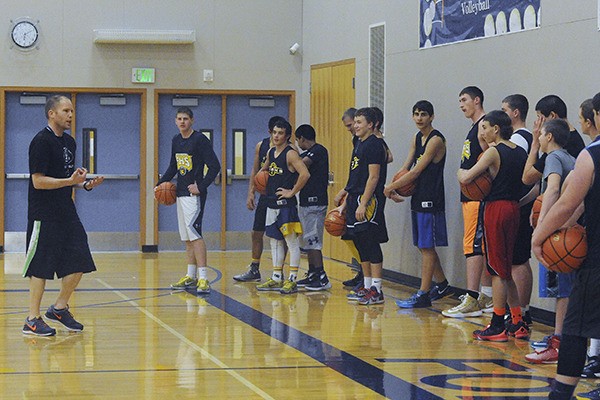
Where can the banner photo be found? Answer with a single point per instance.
(450, 21)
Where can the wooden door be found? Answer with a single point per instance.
(332, 92)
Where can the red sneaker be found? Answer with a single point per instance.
(492, 334)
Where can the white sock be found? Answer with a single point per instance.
(377, 284)
(191, 271)
(201, 272)
(293, 276)
(594, 347)
(277, 276)
(368, 282)
(487, 290)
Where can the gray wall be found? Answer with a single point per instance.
(557, 58)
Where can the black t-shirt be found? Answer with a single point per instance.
(369, 151)
(188, 158)
(52, 156)
(592, 212)
(314, 193)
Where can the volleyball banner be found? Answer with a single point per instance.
(450, 21)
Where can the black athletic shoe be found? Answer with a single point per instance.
(320, 283)
(65, 317)
(527, 318)
(592, 368)
(37, 327)
(437, 293)
(358, 279)
(252, 275)
(309, 278)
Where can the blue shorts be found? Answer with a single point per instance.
(429, 229)
(553, 284)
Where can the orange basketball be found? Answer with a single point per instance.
(565, 249)
(335, 223)
(166, 193)
(406, 190)
(535, 210)
(260, 181)
(478, 188)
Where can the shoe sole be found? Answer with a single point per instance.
(183, 287)
(246, 280)
(591, 376)
(316, 289)
(38, 334)
(268, 289)
(490, 339)
(540, 361)
(412, 305)
(463, 315)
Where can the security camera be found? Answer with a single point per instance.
(294, 48)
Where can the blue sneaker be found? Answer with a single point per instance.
(65, 317)
(541, 344)
(37, 327)
(417, 300)
(437, 293)
(592, 395)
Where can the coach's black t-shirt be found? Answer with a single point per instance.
(314, 193)
(51, 156)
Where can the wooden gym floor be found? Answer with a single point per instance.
(144, 341)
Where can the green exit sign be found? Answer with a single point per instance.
(142, 75)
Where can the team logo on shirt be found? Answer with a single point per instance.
(418, 159)
(68, 162)
(466, 151)
(354, 163)
(184, 163)
(275, 170)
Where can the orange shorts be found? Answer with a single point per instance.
(473, 224)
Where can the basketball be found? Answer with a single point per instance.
(406, 190)
(565, 249)
(478, 188)
(535, 210)
(260, 181)
(335, 223)
(166, 193)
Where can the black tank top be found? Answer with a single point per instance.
(507, 184)
(429, 190)
(280, 176)
(471, 150)
(265, 145)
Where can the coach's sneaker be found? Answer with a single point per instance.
(358, 278)
(252, 275)
(418, 300)
(592, 368)
(203, 286)
(486, 304)
(592, 395)
(271, 285)
(186, 282)
(309, 278)
(492, 333)
(438, 292)
(356, 295)
(520, 330)
(321, 283)
(468, 307)
(372, 296)
(37, 327)
(289, 287)
(65, 317)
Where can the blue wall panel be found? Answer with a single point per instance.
(115, 205)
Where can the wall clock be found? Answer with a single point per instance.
(25, 33)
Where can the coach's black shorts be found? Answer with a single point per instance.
(57, 247)
(260, 215)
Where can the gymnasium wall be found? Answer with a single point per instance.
(558, 58)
